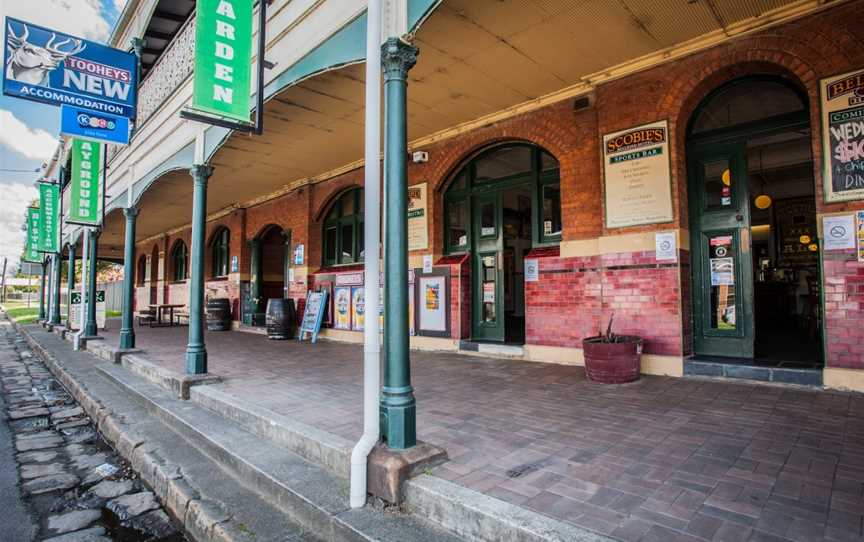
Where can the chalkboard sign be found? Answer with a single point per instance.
(312, 316)
(246, 302)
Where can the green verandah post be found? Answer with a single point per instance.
(398, 407)
(196, 351)
(127, 328)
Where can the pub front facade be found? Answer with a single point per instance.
(695, 175)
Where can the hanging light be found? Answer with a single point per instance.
(804, 239)
(813, 247)
(762, 201)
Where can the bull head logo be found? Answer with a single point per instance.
(31, 64)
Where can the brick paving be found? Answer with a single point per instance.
(663, 459)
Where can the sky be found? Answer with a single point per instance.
(29, 131)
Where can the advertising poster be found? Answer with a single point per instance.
(85, 202)
(418, 225)
(722, 272)
(843, 136)
(49, 209)
(47, 66)
(358, 308)
(342, 308)
(637, 176)
(313, 315)
(31, 253)
(860, 235)
(75, 308)
(433, 305)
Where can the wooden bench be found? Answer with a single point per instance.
(179, 316)
(147, 316)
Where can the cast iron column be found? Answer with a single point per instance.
(54, 317)
(256, 279)
(70, 280)
(196, 352)
(90, 329)
(398, 408)
(42, 292)
(127, 328)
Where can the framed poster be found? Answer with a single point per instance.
(637, 178)
(418, 224)
(842, 99)
(358, 308)
(341, 308)
(860, 235)
(432, 303)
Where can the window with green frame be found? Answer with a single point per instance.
(179, 261)
(343, 230)
(510, 164)
(221, 252)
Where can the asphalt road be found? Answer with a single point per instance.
(17, 525)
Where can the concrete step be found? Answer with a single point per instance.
(760, 373)
(306, 493)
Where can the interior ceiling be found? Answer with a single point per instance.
(476, 57)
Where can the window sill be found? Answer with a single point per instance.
(222, 278)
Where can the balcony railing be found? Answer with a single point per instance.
(163, 79)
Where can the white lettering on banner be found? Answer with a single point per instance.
(225, 30)
(223, 50)
(74, 100)
(223, 94)
(225, 73)
(226, 9)
(96, 85)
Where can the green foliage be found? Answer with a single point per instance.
(22, 314)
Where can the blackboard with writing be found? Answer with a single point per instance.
(313, 315)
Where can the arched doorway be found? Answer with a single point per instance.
(270, 271)
(754, 241)
(500, 205)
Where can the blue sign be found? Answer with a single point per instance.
(56, 68)
(99, 127)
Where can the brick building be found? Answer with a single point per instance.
(524, 121)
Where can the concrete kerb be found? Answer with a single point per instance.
(199, 517)
(178, 384)
(109, 352)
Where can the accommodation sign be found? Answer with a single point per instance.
(31, 252)
(84, 203)
(55, 68)
(418, 225)
(843, 136)
(637, 176)
(223, 58)
(49, 201)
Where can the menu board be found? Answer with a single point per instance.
(312, 315)
(843, 136)
(638, 185)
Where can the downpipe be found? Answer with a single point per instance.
(372, 233)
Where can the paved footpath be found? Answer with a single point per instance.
(72, 485)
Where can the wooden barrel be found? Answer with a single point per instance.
(219, 314)
(281, 319)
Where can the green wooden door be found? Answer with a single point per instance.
(487, 291)
(720, 250)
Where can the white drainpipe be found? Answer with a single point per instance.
(372, 219)
(76, 345)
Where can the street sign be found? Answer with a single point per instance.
(55, 68)
(84, 202)
(93, 126)
(49, 209)
(31, 249)
(223, 58)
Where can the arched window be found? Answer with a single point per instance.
(221, 252)
(142, 270)
(498, 169)
(179, 261)
(343, 229)
(747, 100)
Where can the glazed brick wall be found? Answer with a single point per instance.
(844, 310)
(575, 297)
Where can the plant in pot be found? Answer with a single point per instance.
(612, 358)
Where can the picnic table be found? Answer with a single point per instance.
(160, 309)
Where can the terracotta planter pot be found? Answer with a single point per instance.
(612, 363)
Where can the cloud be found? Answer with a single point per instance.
(32, 144)
(16, 198)
(77, 17)
(119, 4)
(17, 136)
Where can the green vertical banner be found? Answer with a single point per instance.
(223, 58)
(49, 207)
(31, 254)
(85, 190)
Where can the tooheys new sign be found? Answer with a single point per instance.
(31, 254)
(223, 63)
(56, 68)
(84, 203)
(49, 198)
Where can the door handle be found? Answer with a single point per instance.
(739, 217)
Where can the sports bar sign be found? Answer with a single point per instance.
(843, 136)
(637, 176)
(223, 61)
(84, 203)
(55, 68)
(49, 199)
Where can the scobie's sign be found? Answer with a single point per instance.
(635, 139)
(55, 68)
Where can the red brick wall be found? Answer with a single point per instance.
(844, 309)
